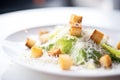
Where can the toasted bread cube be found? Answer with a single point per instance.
(65, 61)
(29, 42)
(106, 61)
(42, 32)
(97, 36)
(75, 19)
(118, 45)
(75, 30)
(54, 52)
(36, 52)
(43, 39)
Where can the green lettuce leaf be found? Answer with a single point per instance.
(114, 53)
(81, 57)
(112, 50)
(65, 44)
(95, 55)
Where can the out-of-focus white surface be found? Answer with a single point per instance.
(15, 21)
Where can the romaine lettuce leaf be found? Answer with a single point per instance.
(114, 53)
(81, 57)
(84, 56)
(95, 55)
(65, 44)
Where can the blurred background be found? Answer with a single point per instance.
(14, 5)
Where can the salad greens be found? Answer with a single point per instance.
(80, 54)
(65, 44)
(95, 55)
(114, 53)
(111, 50)
(81, 57)
(84, 56)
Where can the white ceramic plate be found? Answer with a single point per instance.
(19, 37)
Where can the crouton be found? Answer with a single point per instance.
(54, 52)
(118, 45)
(106, 61)
(65, 61)
(42, 32)
(43, 39)
(75, 19)
(97, 36)
(75, 30)
(36, 52)
(29, 42)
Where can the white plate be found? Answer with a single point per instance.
(15, 21)
(54, 72)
